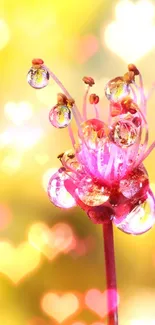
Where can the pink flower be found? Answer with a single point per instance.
(104, 172)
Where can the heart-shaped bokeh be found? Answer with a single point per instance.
(96, 301)
(132, 34)
(85, 47)
(51, 241)
(60, 306)
(18, 112)
(18, 262)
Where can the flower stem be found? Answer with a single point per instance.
(110, 273)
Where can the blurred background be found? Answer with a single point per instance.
(46, 252)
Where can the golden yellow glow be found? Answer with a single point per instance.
(11, 163)
(42, 159)
(4, 34)
(12, 262)
(67, 35)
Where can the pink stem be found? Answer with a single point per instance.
(109, 116)
(145, 155)
(109, 258)
(71, 135)
(134, 94)
(146, 138)
(75, 110)
(96, 111)
(85, 104)
(110, 272)
(143, 99)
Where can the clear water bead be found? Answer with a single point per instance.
(123, 133)
(95, 132)
(69, 161)
(140, 219)
(116, 89)
(38, 77)
(57, 192)
(92, 194)
(60, 116)
(135, 184)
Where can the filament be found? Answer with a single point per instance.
(143, 99)
(70, 131)
(96, 111)
(85, 104)
(76, 112)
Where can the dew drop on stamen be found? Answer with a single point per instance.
(116, 89)
(38, 77)
(60, 116)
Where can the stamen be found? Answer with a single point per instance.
(109, 165)
(143, 99)
(96, 111)
(70, 131)
(85, 103)
(146, 137)
(134, 94)
(146, 154)
(75, 110)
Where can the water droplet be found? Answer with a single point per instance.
(92, 194)
(95, 132)
(60, 116)
(123, 133)
(116, 89)
(57, 192)
(69, 161)
(140, 219)
(135, 183)
(38, 77)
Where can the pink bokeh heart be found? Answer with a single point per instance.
(85, 48)
(96, 301)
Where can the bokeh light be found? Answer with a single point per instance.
(11, 163)
(22, 138)
(5, 33)
(12, 263)
(86, 47)
(131, 41)
(97, 301)
(18, 113)
(46, 177)
(5, 216)
(51, 242)
(52, 303)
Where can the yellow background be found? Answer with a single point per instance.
(54, 30)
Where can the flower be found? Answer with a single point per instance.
(104, 173)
